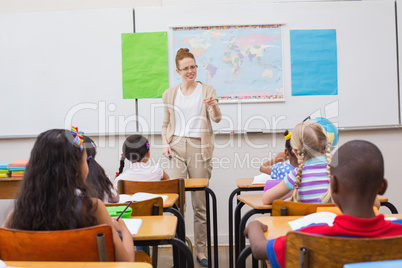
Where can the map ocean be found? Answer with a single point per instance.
(240, 62)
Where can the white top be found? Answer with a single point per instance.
(106, 197)
(187, 113)
(140, 171)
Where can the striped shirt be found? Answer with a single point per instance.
(315, 181)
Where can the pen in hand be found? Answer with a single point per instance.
(121, 214)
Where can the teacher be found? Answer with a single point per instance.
(188, 138)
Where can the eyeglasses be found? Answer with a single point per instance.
(192, 68)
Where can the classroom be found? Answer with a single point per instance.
(53, 88)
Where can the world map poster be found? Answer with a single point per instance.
(243, 63)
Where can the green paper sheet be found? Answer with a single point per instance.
(144, 65)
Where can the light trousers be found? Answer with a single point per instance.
(187, 162)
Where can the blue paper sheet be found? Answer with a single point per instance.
(314, 67)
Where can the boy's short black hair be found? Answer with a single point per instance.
(359, 165)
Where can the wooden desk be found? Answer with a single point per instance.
(78, 264)
(156, 227)
(255, 202)
(384, 202)
(196, 183)
(246, 183)
(161, 230)
(171, 200)
(9, 187)
(243, 184)
(201, 184)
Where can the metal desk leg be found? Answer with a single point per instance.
(209, 192)
(237, 224)
(230, 218)
(241, 261)
(181, 229)
(180, 232)
(184, 250)
(235, 192)
(208, 230)
(390, 206)
(243, 221)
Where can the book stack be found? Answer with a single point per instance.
(17, 168)
(4, 172)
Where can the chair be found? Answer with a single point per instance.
(288, 208)
(90, 244)
(149, 207)
(175, 186)
(310, 250)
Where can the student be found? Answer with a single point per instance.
(136, 149)
(53, 195)
(282, 164)
(357, 176)
(313, 150)
(99, 184)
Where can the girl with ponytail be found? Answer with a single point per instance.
(309, 182)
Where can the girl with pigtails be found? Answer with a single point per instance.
(309, 183)
(136, 149)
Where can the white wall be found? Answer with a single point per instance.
(231, 150)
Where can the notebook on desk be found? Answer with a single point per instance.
(133, 225)
(140, 197)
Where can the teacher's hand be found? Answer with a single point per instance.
(167, 152)
(210, 101)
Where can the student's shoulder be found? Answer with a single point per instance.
(100, 212)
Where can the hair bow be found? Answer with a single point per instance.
(78, 137)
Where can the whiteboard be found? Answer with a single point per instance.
(59, 69)
(399, 11)
(367, 61)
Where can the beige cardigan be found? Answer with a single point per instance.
(207, 134)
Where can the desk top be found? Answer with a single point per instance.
(382, 198)
(78, 264)
(279, 226)
(196, 183)
(253, 200)
(247, 183)
(156, 228)
(169, 202)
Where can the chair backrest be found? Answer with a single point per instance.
(174, 186)
(313, 251)
(88, 244)
(148, 207)
(287, 208)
